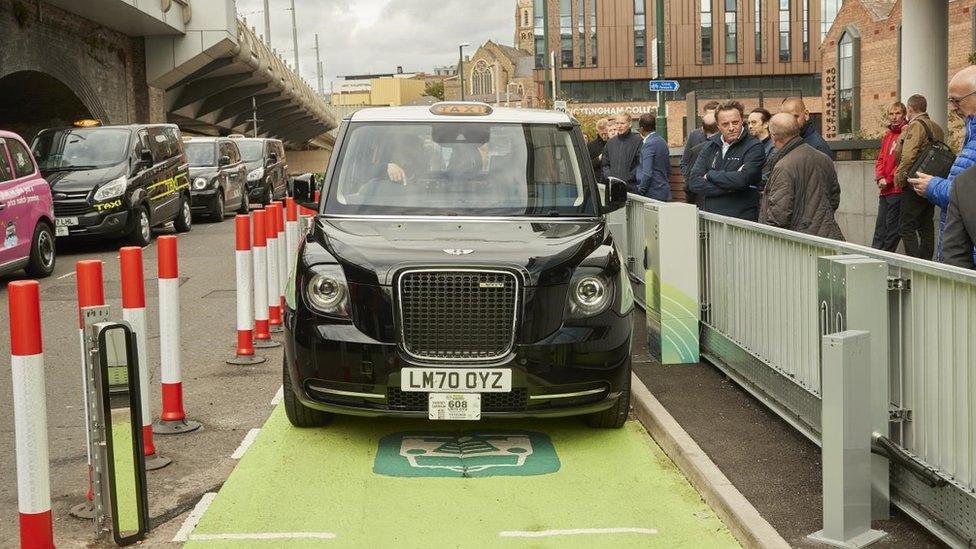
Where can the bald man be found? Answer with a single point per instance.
(797, 108)
(803, 193)
(962, 102)
(621, 157)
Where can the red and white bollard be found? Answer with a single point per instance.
(91, 293)
(134, 312)
(245, 295)
(262, 333)
(172, 420)
(291, 230)
(30, 415)
(271, 235)
(279, 215)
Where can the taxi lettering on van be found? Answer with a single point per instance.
(109, 205)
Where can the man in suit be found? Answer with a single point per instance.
(653, 175)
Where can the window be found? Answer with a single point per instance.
(845, 84)
(540, 39)
(640, 33)
(581, 31)
(4, 168)
(759, 37)
(784, 30)
(75, 147)
(593, 32)
(706, 32)
(828, 12)
(731, 32)
(806, 30)
(201, 153)
(481, 79)
(23, 163)
(566, 33)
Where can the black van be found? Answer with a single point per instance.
(267, 172)
(116, 181)
(218, 175)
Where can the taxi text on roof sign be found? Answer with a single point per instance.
(461, 109)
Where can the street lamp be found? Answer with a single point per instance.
(461, 66)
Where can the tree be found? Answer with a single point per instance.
(435, 89)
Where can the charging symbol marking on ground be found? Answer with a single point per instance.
(466, 454)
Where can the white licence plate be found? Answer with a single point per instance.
(66, 222)
(60, 231)
(455, 380)
(454, 406)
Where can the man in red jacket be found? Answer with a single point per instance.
(887, 229)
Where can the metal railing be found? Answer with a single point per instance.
(760, 325)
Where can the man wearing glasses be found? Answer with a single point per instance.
(962, 101)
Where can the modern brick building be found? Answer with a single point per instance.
(753, 50)
(862, 59)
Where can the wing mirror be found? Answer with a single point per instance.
(616, 195)
(146, 158)
(303, 189)
(272, 159)
(224, 161)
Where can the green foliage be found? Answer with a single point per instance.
(435, 89)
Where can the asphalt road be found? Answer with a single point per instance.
(228, 400)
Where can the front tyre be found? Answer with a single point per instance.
(615, 416)
(42, 254)
(217, 207)
(298, 414)
(184, 219)
(245, 202)
(141, 234)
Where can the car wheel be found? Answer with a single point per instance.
(268, 197)
(42, 254)
(141, 234)
(245, 203)
(217, 208)
(184, 220)
(298, 414)
(615, 416)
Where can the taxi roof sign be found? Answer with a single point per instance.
(87, 123)
(461, 108)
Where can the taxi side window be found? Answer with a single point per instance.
(225, 150)
(4, 168)
(23, 164)
(235, 153)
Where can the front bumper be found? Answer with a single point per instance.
(339, 369)
(101, 224)
(255, 189)
(202, 200)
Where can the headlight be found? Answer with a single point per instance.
(255, 174)
(200, 183)
(327, 290)
(590, 293)
(112, 189)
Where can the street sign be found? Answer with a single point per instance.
(664, 85)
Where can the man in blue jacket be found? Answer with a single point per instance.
(727, 176)
(810, 135)
(654, 173)
(962, 101)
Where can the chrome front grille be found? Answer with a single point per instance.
(458, 315)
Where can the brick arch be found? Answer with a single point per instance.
(62, 71)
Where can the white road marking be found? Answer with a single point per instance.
(62, 277)
(194, 517)
(278, 396)
(577, 532)
(245, 444)
(271, 535)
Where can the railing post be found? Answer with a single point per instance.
(854, 295)
(846, 435)
(671, 282)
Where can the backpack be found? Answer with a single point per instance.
(936, 159)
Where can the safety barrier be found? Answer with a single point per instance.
(259, 243)
(91, 293)
(244, 268)
(282, 278)
(271, 238)
(761, 324)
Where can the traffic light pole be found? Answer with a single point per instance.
(662, 114)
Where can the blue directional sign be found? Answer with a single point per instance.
(664, 85)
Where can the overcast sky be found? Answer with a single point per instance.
(365, 36)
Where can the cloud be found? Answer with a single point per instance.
(366, 36)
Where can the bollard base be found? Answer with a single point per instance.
(245, 360)
(155, 462)
(265, 344)
(83, 511)
(862, 540)
(161, 427)
(276, 328)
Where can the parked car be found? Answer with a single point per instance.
(267, 171)
(461, 267)
(218, 175)
(26, 214)
(116, 181)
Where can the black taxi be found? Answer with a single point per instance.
(460, 267)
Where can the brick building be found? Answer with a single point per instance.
(861, 58)
(496, 73)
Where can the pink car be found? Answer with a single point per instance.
(26, 211)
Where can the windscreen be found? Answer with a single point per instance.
(252, 150)
(200, 154)
(81, 149)
(459, 168)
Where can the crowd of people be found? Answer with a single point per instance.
(778, 170)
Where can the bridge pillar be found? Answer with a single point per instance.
(671, 282)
